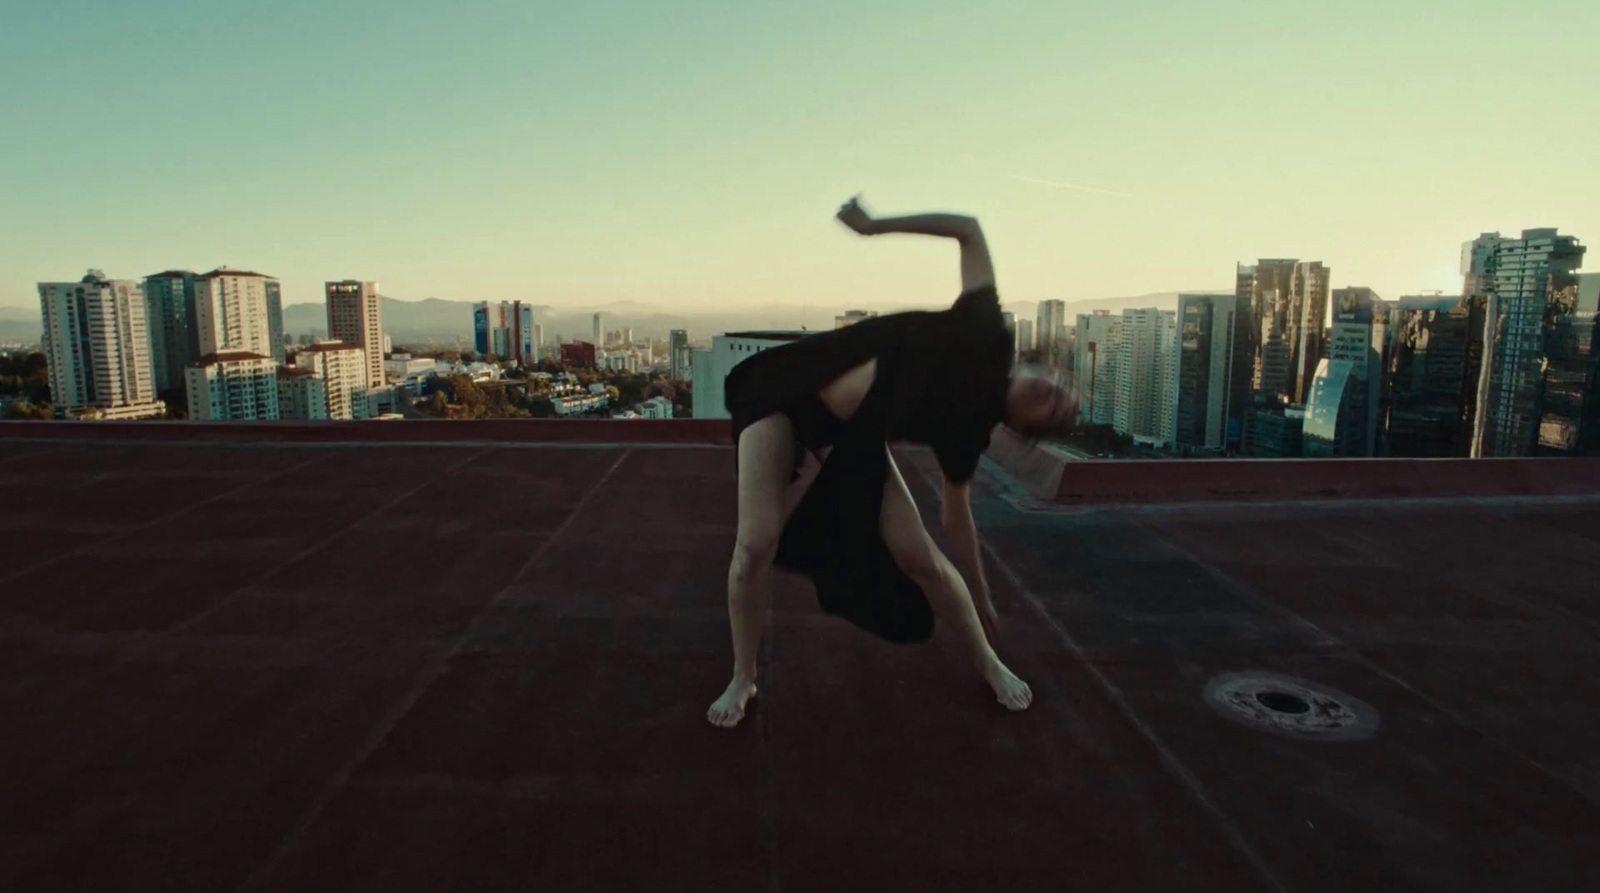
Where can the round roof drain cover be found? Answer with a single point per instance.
(1293, 708)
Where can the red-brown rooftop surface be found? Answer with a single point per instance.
(245, 658)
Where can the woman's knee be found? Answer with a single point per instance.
(753, 552)
(921, 561)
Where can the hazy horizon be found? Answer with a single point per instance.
(691, 155)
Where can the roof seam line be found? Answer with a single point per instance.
(425, 679)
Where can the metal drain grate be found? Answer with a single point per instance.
(1293, 708)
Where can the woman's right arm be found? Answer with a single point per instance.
(977, 269)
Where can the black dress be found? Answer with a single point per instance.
(941, 380)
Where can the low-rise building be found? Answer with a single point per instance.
(657, 407)
(231, 386)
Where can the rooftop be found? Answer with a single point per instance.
(477, 656)
(225, 271)
(229, 356)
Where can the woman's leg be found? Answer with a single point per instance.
(917, 554)
(766, 461)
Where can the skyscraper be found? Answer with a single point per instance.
(599, 333)
(480, 329)
(522, 334)
(355, 316)
(678, 354)
(1095, 366)
(1212, 370)
(1167, 379)
(174, 343)
(1024, 336)
(1288, 303)
(1052, 323)
(238, 310)
(1527, 279)
(538, 339)
(1435, 349)
(1475, 257)
(98, 346)
(1350, 398)
(1570, 423)
(1141, 369)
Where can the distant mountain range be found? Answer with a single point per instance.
(442, 321)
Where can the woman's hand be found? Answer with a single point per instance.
(851, 214)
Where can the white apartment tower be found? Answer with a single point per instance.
(98, 345)
(342, 369)
(1024, 335)
(238, 310)
(1095, 366)
(356, 317)
(231, 386)
(1143, 379)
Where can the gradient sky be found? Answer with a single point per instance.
(691, 153)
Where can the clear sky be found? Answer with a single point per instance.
(691, 153)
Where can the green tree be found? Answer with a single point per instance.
(30, 412)
(438, 404)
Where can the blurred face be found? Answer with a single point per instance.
(1037, 406)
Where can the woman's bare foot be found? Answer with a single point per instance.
(727, 710)
(1008, 689)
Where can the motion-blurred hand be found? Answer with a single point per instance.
(851, 214)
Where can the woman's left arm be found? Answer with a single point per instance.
(962, 532)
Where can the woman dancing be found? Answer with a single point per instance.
(943, 379)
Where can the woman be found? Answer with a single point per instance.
(937, 378)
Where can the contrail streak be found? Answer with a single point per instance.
(1070, 186)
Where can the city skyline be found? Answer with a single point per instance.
(691, 158)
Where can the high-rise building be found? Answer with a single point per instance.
(238, 310)
(678, 354)
(1167, 379)
(1288, 303)
(1143, 352)
(1095, 366)
(98, 346)
(355, 316)
(522, 334)
(1212, 371)
(1435, 350)
(1024, 336)
(231, 386)
(599, 332)
(1356, 360)
(1528, 278)
(1475, 257)
(174, 343)
(538, 341)
(1570, 423)
(342, 369)
(480, 329)
(1051, 328)
(851, 317)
